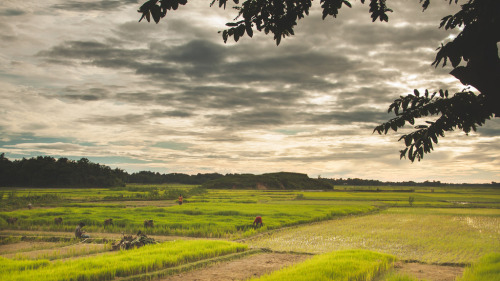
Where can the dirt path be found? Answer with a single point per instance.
(112, 236)
(428, 271)
(25, 246)
(241, 269)
(78, 249)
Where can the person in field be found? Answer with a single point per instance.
(180, 199)
(79, 232)
(258, 221)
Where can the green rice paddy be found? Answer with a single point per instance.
(355, 233)
(338, 265)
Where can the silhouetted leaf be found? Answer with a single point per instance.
(156, 13)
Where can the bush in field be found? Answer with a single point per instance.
(411, 199)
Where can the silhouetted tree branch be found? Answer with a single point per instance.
(475, 46)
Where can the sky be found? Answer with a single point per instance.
(86, 79)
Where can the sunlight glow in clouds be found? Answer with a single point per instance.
(85, 79)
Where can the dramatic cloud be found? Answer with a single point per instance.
(85, 79)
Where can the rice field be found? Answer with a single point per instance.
(194, 219)
(457, 236)
(338, 265)
(117, 264)
(488, 268)
(360, 232)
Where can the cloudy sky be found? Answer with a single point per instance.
(85, 79)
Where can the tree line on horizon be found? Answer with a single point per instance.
(47, 171)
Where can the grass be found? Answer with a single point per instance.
(194, 219)
(338, 265)
(118, 264)
(457, 236)
(12, 267)
(487, 268)
(69, 251)
(444, 226)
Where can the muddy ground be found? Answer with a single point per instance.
(241, 269)
(428, 271)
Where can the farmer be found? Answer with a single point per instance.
(258, 221)
(180, 199)
(79, 233)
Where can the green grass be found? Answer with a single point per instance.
(463, 198)
(194, 219)
(339, 265)
(488, 268)
(11, 267)
(118, 264)
(458, 236)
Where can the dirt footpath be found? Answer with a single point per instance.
(428, 271)
(241, 269)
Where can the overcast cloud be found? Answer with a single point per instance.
(85, 79)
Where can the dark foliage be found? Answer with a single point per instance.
(157, 178)
(476, 45)
(46, 171)
(271, 181)
(363, 182)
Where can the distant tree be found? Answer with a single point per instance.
(411, 199)
(476, 45)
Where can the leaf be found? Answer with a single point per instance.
(224, 36)
(410, 154)
(403, 153)
(394, 127)
(408, 140)
(156, 13)
(434, 139)
(249, 30)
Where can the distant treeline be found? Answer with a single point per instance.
(46, 171)
(362, 182)
(157, 178)
(282, 180)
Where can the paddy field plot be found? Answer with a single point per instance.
(444, 226)
(117, 264)
(456, 236)
(194, 219)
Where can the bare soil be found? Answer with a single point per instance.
(241, 269)
(428, 271)
(24, 246)
(111, 236)
(77, 249)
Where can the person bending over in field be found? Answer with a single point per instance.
(79, 233)
(258, 222)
